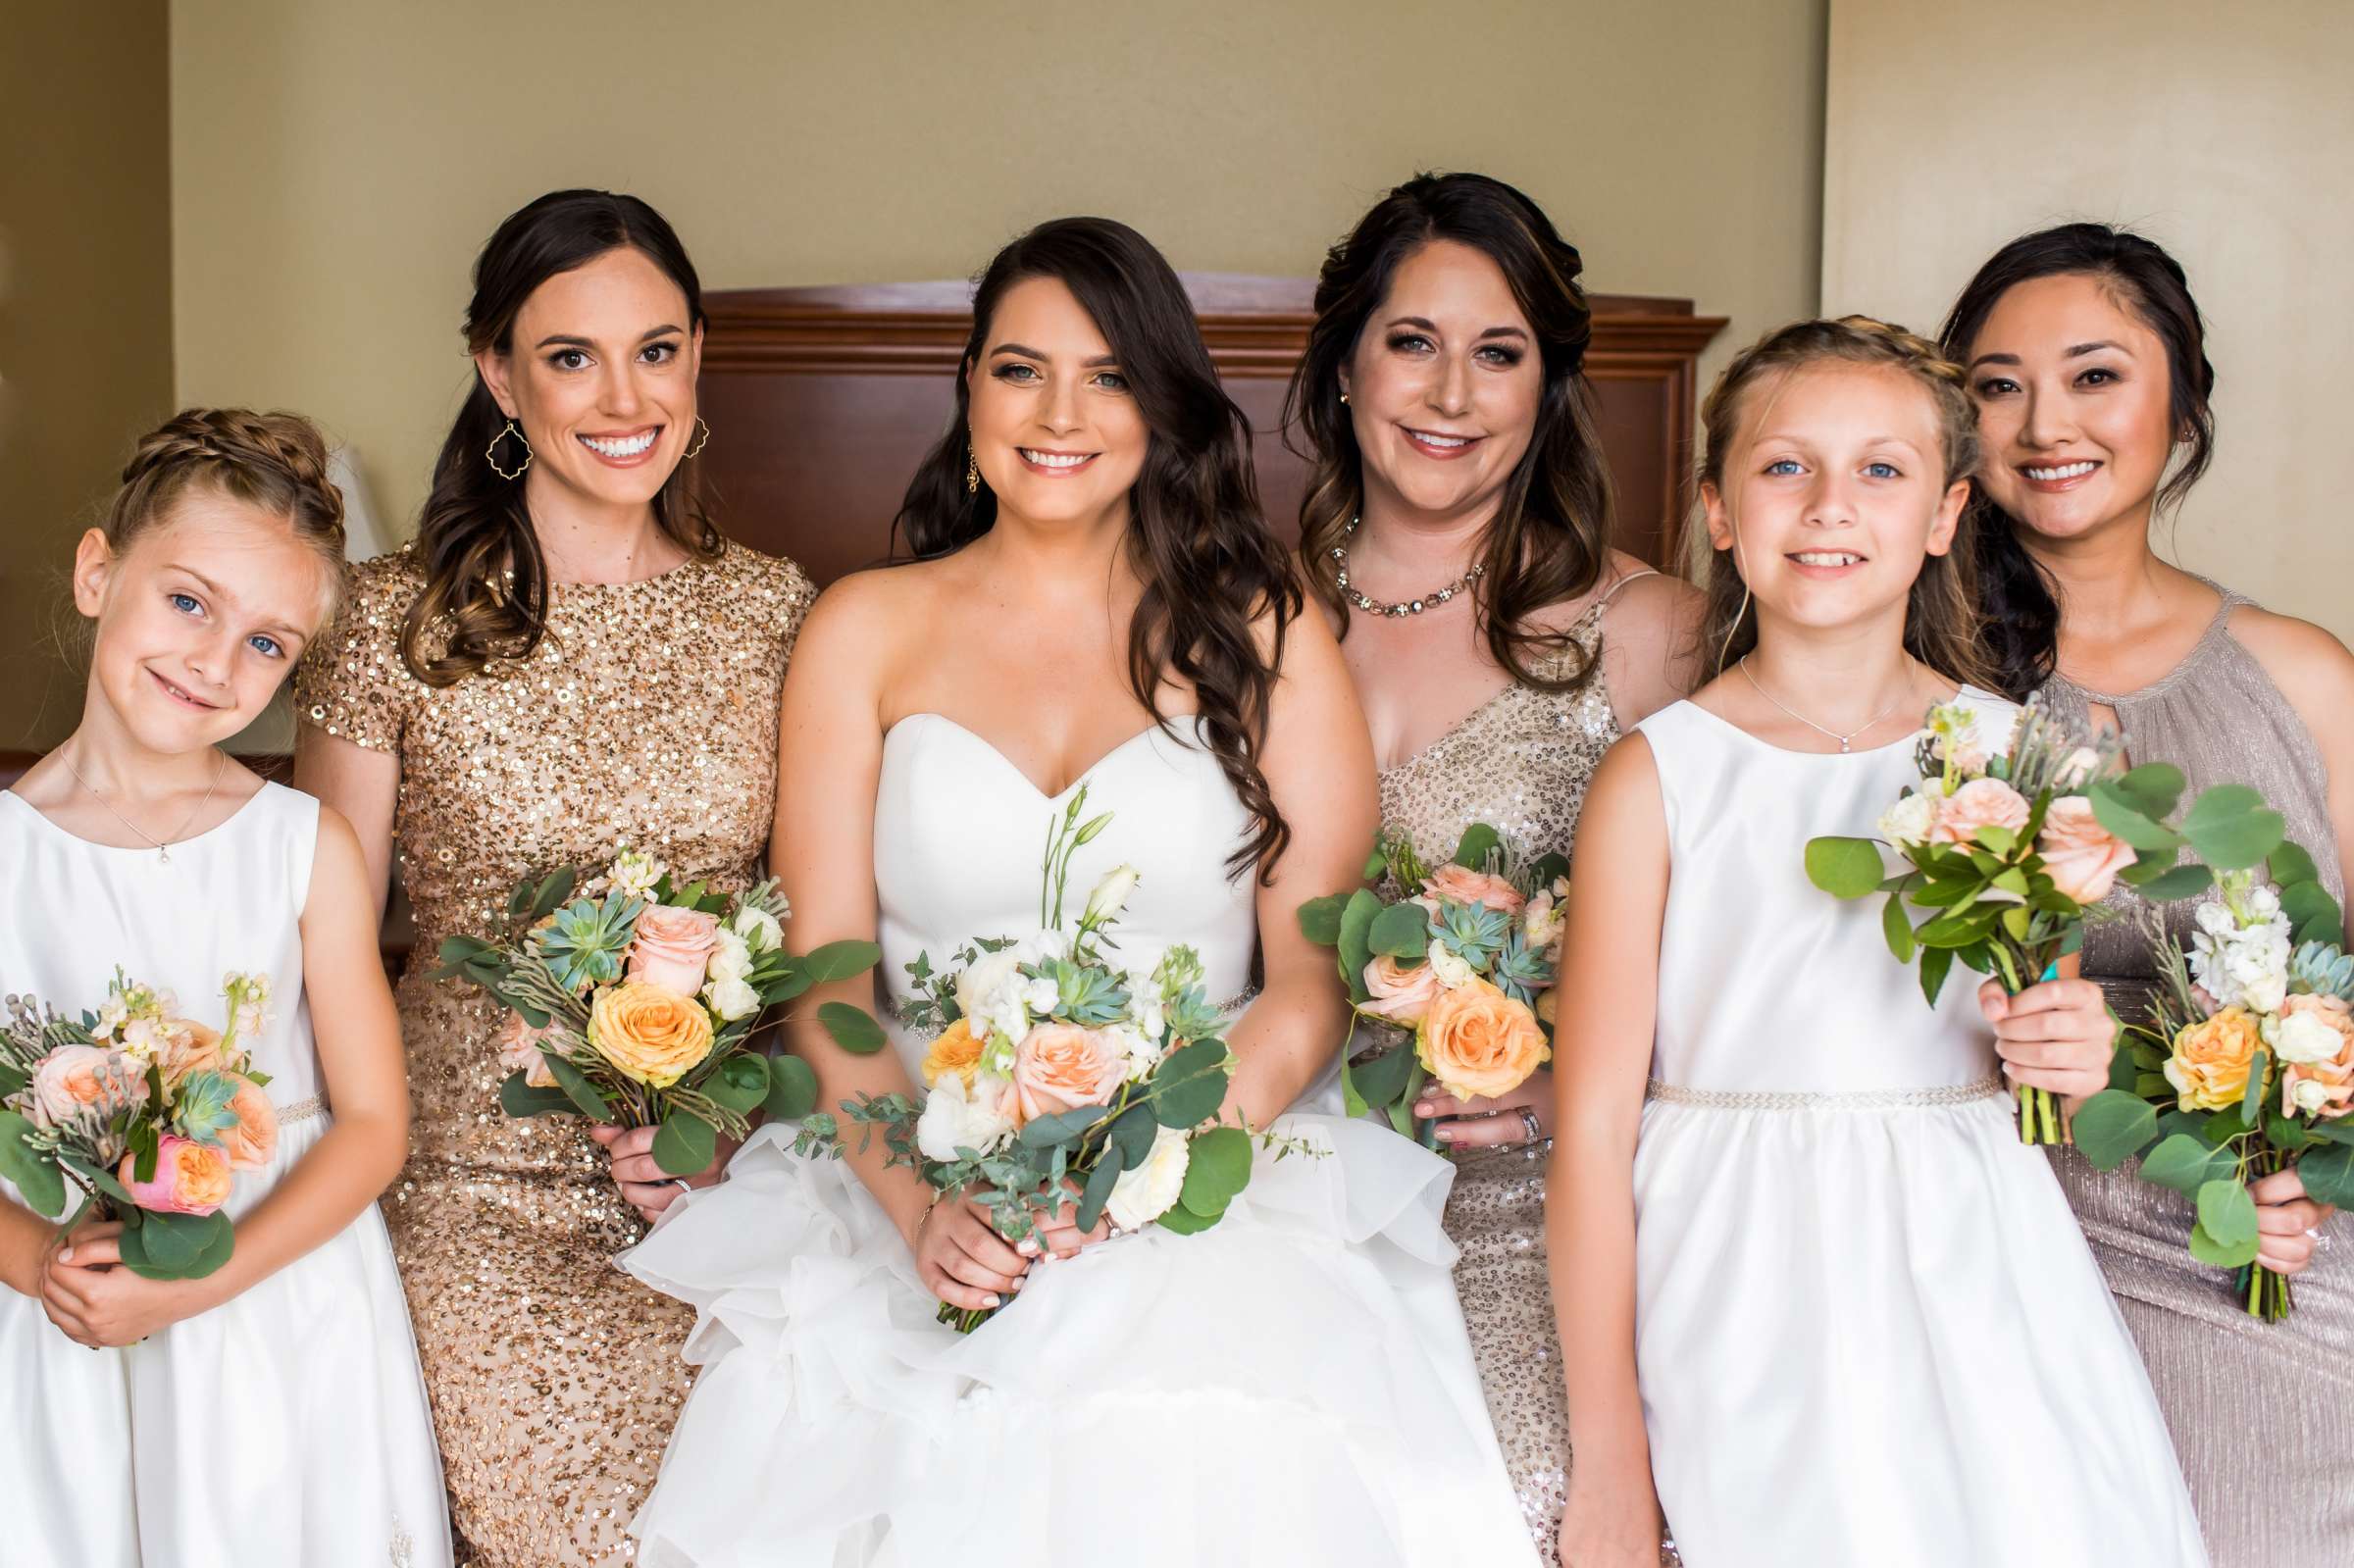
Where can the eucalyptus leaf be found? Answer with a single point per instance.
(2227, 1212)
(1217, 1167)
(2251, 1101)
(2207, 1250)
(1897, 928)
(176, 1246)
(739, 1084)
(1097, 1191)
(685, 1144)
(1381, 1079)
(1402, 931)
(2153, 789)
(2314, 916)
(1355, 941)
(1190, 1084)
(1182, 1221)
(2290, 863)
(516, 1098)
(1844, 868)
(585, 1097)
(1063, 1127)
(2328, 1174)
(2114, 810)
(1320, 919)
(839, 961)
(2113, 1127)
(2232, 829)
(1479, 842)
(34, 1176)
(1132, 1133)
(2173, 883)
(98, 1178)
(853, 1028)
(792, 1089)
(2184, 1163)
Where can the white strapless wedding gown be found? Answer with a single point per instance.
(1292, 1387)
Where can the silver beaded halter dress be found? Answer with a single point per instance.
(2262, 1414)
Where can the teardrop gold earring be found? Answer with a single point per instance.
(972, 473)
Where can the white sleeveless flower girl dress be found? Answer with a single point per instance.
(288, 1426)
(1867, 1330)
(1293, 1387)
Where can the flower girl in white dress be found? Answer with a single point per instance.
(269, 1414)
(1815, 1291)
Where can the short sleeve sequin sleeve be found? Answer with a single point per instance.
(352, 681)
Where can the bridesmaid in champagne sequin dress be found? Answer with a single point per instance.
(1449, 312)
(590, 665)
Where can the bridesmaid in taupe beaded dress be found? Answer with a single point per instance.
(568, 659)
(1457, 533)
(2086, 355)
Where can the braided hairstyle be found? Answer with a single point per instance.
(1942, 623)
(275, 462)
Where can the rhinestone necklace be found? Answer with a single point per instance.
(1403, 607)
(1843, 739)
(161, 847)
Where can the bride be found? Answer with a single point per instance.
(1093, 597)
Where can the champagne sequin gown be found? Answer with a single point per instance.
(1520, 763)
(2262, 1414)
(647, 715)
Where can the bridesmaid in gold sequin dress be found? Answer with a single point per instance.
(1456, 460)
(2088, 361)
(568, 658)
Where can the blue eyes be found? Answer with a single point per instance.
(185, 604)
(267, 646)
(1788, 465)
(262, 643)
(1882, 471)
(1019, 374)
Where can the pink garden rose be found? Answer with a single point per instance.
(673, 947)
(1462, 886)
(519, 1050)
(253, 1141)
(1059, 1067)
(1399, 994)
(190, 1178)
(2323, 1088)
(1979, 803)
(2080, 856)
(75, 1080)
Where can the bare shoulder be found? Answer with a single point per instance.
(873, 608)
(338, 865)
(2312, 667)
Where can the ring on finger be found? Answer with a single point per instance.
(1529, 1125)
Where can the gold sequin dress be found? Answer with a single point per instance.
(647, 715)
(1520, 763)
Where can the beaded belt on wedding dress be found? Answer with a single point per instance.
(1991, 1087)
(902, 1006)
(302, 1110)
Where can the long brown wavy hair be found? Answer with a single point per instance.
(1550, 539)
(485, 581)
(1942, 623)
(1196, 535)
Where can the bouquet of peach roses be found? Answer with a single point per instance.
(2016, 830)
(150, 1114)
(638, 1003)
(1061, 1075)
(2245, 1067)
(1465, 960)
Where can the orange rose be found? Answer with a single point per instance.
(1979, 803)
(2323, 1088)
(956, 1051)
(253, 1141)
(2080, 856)
(2208, 1067)
(1462, 886)
(1059, 1067)
(1399, 993)
(190, 1047)
(649, 1034)
(190, 1178)
(1479, 1044)
(673, 947)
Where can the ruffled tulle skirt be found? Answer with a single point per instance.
(1870, 1336)
(1292, 1387)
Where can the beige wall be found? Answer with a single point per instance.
(2226, 134)
(86, 314)
(336, 163)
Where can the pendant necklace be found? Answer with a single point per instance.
(1844, 741)
(161, 847)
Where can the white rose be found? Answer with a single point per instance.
(1111, 895)
(759, 929)
(1910, 820)
(1451, 967)
(1142, 1050)
(1144, 1194)
(983, 976)
(2304, 1039)
(732, 997)
(2266, 995)
(2308, 1094)
(731, 956)
(952, 1120)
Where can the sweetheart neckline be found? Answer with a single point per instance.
(990, 746)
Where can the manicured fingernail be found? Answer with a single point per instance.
(1446, 1135)
(65, 1254)
(992, 1301)
(1017, 1281)
(1422, 1109)
(1028, 1246)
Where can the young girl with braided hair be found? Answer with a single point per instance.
(269, 1414)
(1818, 1302)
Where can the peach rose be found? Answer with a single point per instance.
(1979, 803)
(190, 1178)
(76, 1080)
(1059, 1067)
(2208, 1067)
(673, 947)
(2080, 856)
(253, 1141)
(1479, 1044)
(188, 1047)
(1462, 886)
(954, 1052)
(518, 1045)
(1399, 993)
(2324, 1089)
(650, 1032)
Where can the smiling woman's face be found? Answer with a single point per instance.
(1055, 431)
(2074, 407)
(1443, 384)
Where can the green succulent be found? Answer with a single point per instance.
(1473, 932)
(1520, 971)
(584, 944)
(203, 1112)
(2323, 971)
(1085, 995)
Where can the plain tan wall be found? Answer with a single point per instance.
(86, 314)
(336, 164)
(2225, 134)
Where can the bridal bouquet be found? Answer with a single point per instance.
(1465, 960)
(638, 1003)
(2009, 840)
(2245, 1066)
(150, 1114)
(1062, 1076)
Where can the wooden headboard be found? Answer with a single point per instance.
(822, 400)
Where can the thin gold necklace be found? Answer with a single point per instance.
(161, 847)
(1843, 739)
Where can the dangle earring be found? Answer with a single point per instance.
(703, 437)
(972, 471)
(490, 453)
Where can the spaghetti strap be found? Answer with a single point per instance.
(1603, 603)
